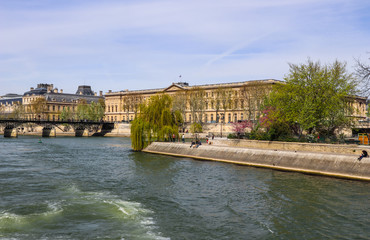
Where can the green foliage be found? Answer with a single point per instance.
(66, 114)
(196, 128)
(93, 111)
(82, 109)
(156, 121)
(315, 98)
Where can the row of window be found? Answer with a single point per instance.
(57, 108)
(219, 117)
(209, 118)
(114, 107)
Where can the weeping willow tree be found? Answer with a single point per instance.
(156, 121)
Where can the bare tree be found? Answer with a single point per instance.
(196, 99)
(179, 103)
(224, 97)
(38, 108)
(252, 98)
(131, 103)
(363, 72)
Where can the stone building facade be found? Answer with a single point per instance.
(53, 101)
(211, 103)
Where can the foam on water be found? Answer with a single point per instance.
(114, 206)
(101, 207)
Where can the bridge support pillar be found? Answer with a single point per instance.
(82, 132)
(49, 132)
(10, 132)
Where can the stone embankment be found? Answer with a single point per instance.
(342, 165)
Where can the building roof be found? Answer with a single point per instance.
(10, 101)
(85, 90)
(37, 91)
(70, 98)
(185, 86)
(52, 95)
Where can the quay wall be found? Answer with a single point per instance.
(294, 146)
(328, 164)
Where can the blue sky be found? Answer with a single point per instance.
(142, 44)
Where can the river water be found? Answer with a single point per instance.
(97, 188)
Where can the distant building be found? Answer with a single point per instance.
(8, 103)
(55, 101)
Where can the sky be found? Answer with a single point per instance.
(144, 44)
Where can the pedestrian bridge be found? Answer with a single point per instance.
(81, 128)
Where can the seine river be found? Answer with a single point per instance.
(97, 188)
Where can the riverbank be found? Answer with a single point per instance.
(339, 165)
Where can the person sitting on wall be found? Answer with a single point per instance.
(364, 154)
(198, 143)
(192, 143)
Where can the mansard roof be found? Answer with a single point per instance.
(37, 91)
(65, 97)
(186, 86)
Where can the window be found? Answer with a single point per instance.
(206, 118)
(189, 117)
(229, 117)
(211, 117)
(241, 116)
(235, 117)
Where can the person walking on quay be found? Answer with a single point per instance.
(183, 138)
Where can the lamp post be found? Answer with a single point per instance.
(222, 119)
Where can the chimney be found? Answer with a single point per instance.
(32, 88)
(100, 93)
(56, 90)
(61, 90)
(109, 91)
(95, 94)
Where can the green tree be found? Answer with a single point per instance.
(95, 111)
(155, 121)
(82, 110)
(315, 98)
(66, 114)
(196, 128)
